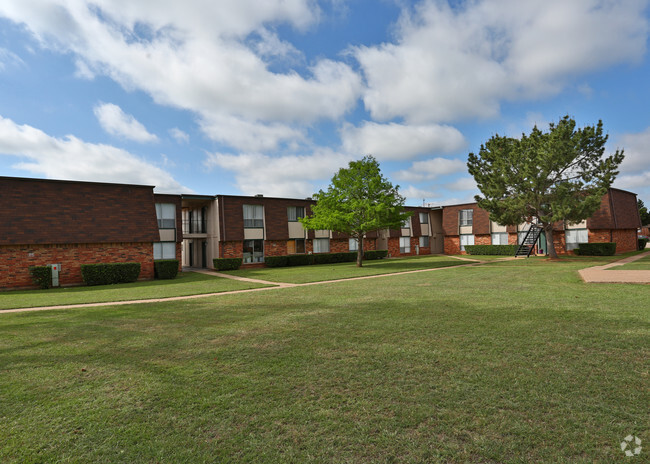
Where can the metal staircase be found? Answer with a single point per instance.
(529, 241)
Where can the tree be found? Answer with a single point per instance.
(643, 213)
(359, 200)
(559, 175)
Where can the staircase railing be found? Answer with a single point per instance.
(528, 243)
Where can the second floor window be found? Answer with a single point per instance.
(166, 214)
(466, 217)
(253, 216)
(295, 212)
(424, 218)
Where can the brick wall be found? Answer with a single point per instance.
(452, 245)
(339, 246)
(16, 259)
(626, 240)
(275, 247)
(231, 250)
(483, 239)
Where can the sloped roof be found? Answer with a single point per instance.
(38, 211)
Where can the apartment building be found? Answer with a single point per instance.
(617, 220)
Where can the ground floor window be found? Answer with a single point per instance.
(164, 250)
(253, 251)
(405, 244)
(466, 239)
(500, 238)
(574, 237)
(521, 236)
(352, 244)
(321, 245)
(424, 241)
(296, 246)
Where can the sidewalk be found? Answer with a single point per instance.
(605, 274)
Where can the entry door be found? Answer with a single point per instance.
(541, 243)
(204, 252)
(192, 253)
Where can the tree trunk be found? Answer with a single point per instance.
(360, 251)
(550, 243)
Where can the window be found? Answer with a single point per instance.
(466, 216)
(321, 245)
(424, 218)
(166, 214)
(253, 216)
(405, 244)
(574, 237)
(407, 223)
(466, 239)
(164, 250)
(352, 244)
(296, 246)
(500, 238)
(295, 212)
(424, 241)
(253, 251)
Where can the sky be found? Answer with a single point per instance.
(272, 97)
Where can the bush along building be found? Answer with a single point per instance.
(47, 222)
(617, 220)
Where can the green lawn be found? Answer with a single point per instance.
(642, 264)
(509, 362)
(322, 272)
(187, 283)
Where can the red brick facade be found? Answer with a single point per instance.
(16, 259)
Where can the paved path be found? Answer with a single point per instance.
(276, 285)
(608, 274)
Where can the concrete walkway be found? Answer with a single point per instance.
(608, 274)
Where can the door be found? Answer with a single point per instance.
(204, 250)
(541, 244)
(191, 253)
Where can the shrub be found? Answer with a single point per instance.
(276, 261)
(374, 254)
(41, 275)
(110, 273)
(165, 268)
(330, 258)
(596, 249)
(642, 242)
(227, 264)
(300, 260)
(504, 250)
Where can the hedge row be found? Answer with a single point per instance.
(596, 249)
(375, 254)
(109, 273)
(507, 250)
(321, 258)
(42, 276)
(227, 264)
(165, 268)
(642, 243)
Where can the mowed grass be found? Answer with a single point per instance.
(642, 264)
(514, 361)
(187, 283)
(323, 272)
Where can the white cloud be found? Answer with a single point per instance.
(462, 184)
(431, 169)
(397, 141)
(116, 122)
(201, 59)
(179, 135)
(415, 195)
(73, 159)
(449, 63)
(637, 151)
(9, 58)
(284, 176)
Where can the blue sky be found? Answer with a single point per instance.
(274, 96)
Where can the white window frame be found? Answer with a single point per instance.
(404, 245)
(574, 237)
(253, 216)
(353, 245)
(466, 239)
(321, 245)
(424, 241)
(166, 215)
(424, 218)
(164, 250)
(500, 237)
(466, 217)
(295, 212)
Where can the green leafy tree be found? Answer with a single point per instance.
(643, 213)
(359, 200)
(559, 175)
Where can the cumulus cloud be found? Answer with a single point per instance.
(398, 141)
(179, 135)
(635, 168)
(462, 184)
(200, 59)
(116, 122)
(415, 195)
(73, 159)
(9, 58)
(449, 63)
(284, 176)
(431, 169)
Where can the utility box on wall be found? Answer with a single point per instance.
(56, 268)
